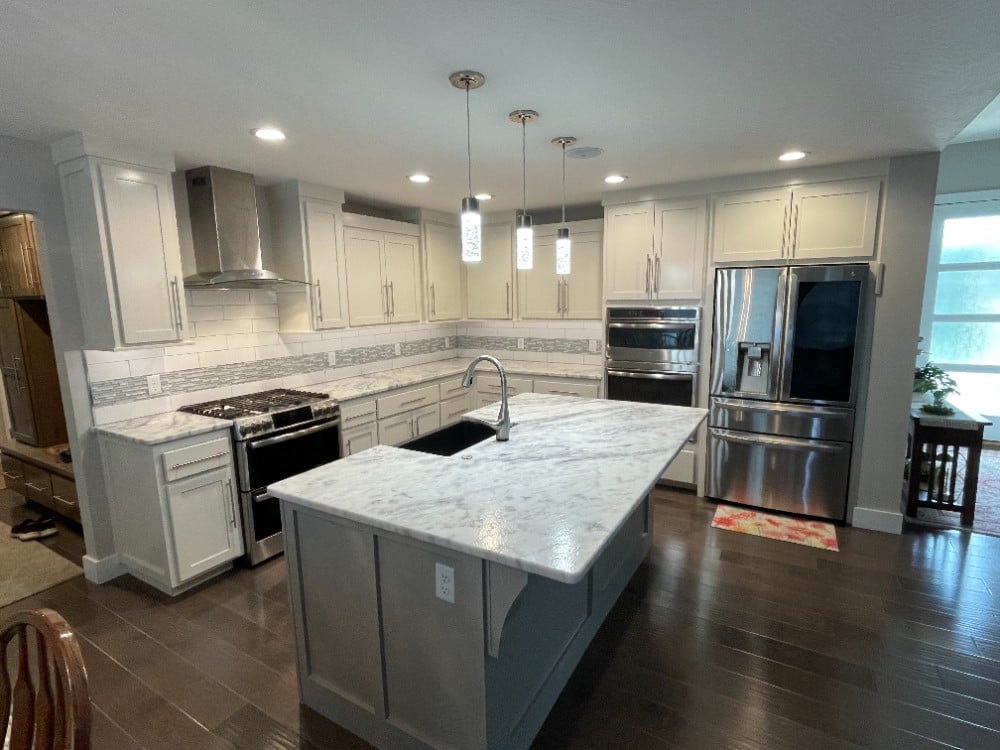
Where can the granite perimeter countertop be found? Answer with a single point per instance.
(548, 501)
(161, 428)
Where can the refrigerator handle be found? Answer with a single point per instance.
(791, 303)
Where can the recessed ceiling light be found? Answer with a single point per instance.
(268, 134)
(793, 155)
(484, 196)
(614, 179)
(419, 177)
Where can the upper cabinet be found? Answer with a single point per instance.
(19, 275)
(655, 250)
(830, 220)
(489, 283)
(308, 234)
(443, 258)
(542, 294)
(383, 271)
(126, 255)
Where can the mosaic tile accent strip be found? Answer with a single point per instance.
(531, 344)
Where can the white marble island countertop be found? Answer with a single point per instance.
(548, 501)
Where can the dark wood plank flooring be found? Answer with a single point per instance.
(722, 640)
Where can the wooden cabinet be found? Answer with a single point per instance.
(543, 294)
(19, 276)
(823, 221)
(13, 473)
(655, 250)
(383, 272)
(308, 235)
(28, 368)
(489, 283)
(31, 473)
(443, 258)
(174, 508)
(126, 255)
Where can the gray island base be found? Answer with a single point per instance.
(443, 602)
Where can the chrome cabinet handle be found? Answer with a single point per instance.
(34, 487)
(656, 275)
(319, 302)
(198, 460)
(506, 298)
(175, 284)
(232, 500)
(385, 299)
(433, 300)
(411, 401)
(63, 500)
(793, 238)
(649, 273)
(29, 276)
(11, 475)
(392, 298)
(784, 230)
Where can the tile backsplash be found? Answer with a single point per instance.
(237, 348)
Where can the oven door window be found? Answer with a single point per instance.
(274, 458)
(670, 389)
(266, 512)
(676, 338)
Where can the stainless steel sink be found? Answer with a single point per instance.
(447, 441)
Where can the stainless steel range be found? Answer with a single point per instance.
(276, 434)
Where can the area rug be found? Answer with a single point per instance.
(782, 528)
(29, 567)
(987, 518)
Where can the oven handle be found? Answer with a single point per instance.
(652, 375)
(292, 435)
(681, 325)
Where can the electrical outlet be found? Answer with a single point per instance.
(153, 385)
(594, 346)
(331, 359)
(444, 582)
(447, 342)
(398, 349)
(520, 343)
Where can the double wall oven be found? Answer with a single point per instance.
(276, 434)
(652, 354)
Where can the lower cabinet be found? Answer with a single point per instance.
(39, 484)
(174, 508)
(488, 388)
(358, 427)
(401, 427)
(568, 387)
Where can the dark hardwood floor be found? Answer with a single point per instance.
(722, 640)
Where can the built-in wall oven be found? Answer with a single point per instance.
(652, 354)
(276, 434)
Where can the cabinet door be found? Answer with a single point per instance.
(19, 274)
(367, 290)
(582, 288)
(396, 429)
(488, 283)
(443, 249)
(751, 225)
(453, 408)
(15, 378)
(426, 419)
(323, 235)
(679, 271)
(539, 290)
(835, 220)
(144, 254)
(402, 266)
(629, 249)
(362, 437)
(202, 523)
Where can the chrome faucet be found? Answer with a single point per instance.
(502, 423)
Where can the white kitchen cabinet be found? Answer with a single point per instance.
(126, 254)
(452, 409)
(568, 387)
(174, 508)
(543, 294)
(488, 388)
(406, 425)
(655, 250)
(308, 237)
(383, 274)
(489, 283)
(358, 426)
(443, 257)
(823, 221)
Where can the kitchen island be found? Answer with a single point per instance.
(443, 602)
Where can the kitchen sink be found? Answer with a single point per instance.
(447, 441)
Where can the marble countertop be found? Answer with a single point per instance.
(548, 501)
(160, 428)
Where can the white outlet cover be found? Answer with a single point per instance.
(444, 582)
(399, 349)
(594, 346)
(331, 359)
(520, 343)
(153, 385)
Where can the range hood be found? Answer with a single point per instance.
(223, 206)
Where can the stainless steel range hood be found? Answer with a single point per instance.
(223, 206)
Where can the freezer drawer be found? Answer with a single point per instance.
(788, 420)
(799, 476)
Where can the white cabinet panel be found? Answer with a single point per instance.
(489, 291)
(629, 248)
(203, 522)
(542, 294)
(751, 225)
(453, 408)
(443, 250)
(367, 292)
(362, 437)
(679, 264)
(835, 220)
(402, 274)
(582, 287)
(325, 263)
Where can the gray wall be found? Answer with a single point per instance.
(969, 166)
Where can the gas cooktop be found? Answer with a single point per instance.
(267, 411)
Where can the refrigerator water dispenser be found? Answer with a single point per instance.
(754, 367)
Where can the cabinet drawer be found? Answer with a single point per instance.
(395, 403)
(186, 462)
(490, 384)
(37, 485)
(452, 388)
(64, 495)
(13, 473)
(567, 388)
(453, 409)
(357, 413)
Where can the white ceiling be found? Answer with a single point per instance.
(670, 90)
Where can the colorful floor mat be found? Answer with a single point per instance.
(784, 529)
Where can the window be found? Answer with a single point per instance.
(961, 312)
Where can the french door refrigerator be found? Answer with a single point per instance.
(785, 354)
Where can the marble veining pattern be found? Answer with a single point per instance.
(547, 501)
(160, 428)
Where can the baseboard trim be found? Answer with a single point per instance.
(889, 522)
(102, 570)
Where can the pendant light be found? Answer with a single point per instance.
(525, 240)
(563, 244)
(472, 222)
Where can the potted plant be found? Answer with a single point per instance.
(930, 378)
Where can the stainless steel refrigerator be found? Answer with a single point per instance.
(785, 355)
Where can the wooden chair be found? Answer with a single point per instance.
(44, 703)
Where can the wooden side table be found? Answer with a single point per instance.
(935, 442)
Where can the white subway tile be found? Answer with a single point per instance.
(237, 312)
(315, 347)
(261, 325)
(196, 397)
(209, 343)
(96, 356)
(148, 366)
(255, 386)
(213, 312)
(299, 338)
(264, 311)
(566, 359)
(530, 356)
(593, 359)
(179, 362)
(101, 371)
(278, 350)
(225, 357)
(243, 340)
(392, 337)
(263, 297)
(216, 327)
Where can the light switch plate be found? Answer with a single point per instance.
(520, 343)
(153, 386)
(331, 359)
(398, 349)
(595, 346)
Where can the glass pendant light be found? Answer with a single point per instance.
(472, 222)
(563, 244)
(524, 234)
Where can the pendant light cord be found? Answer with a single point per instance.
(524, 171)
(564, 182)
(468, 135)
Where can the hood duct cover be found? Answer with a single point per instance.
(226, 234)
